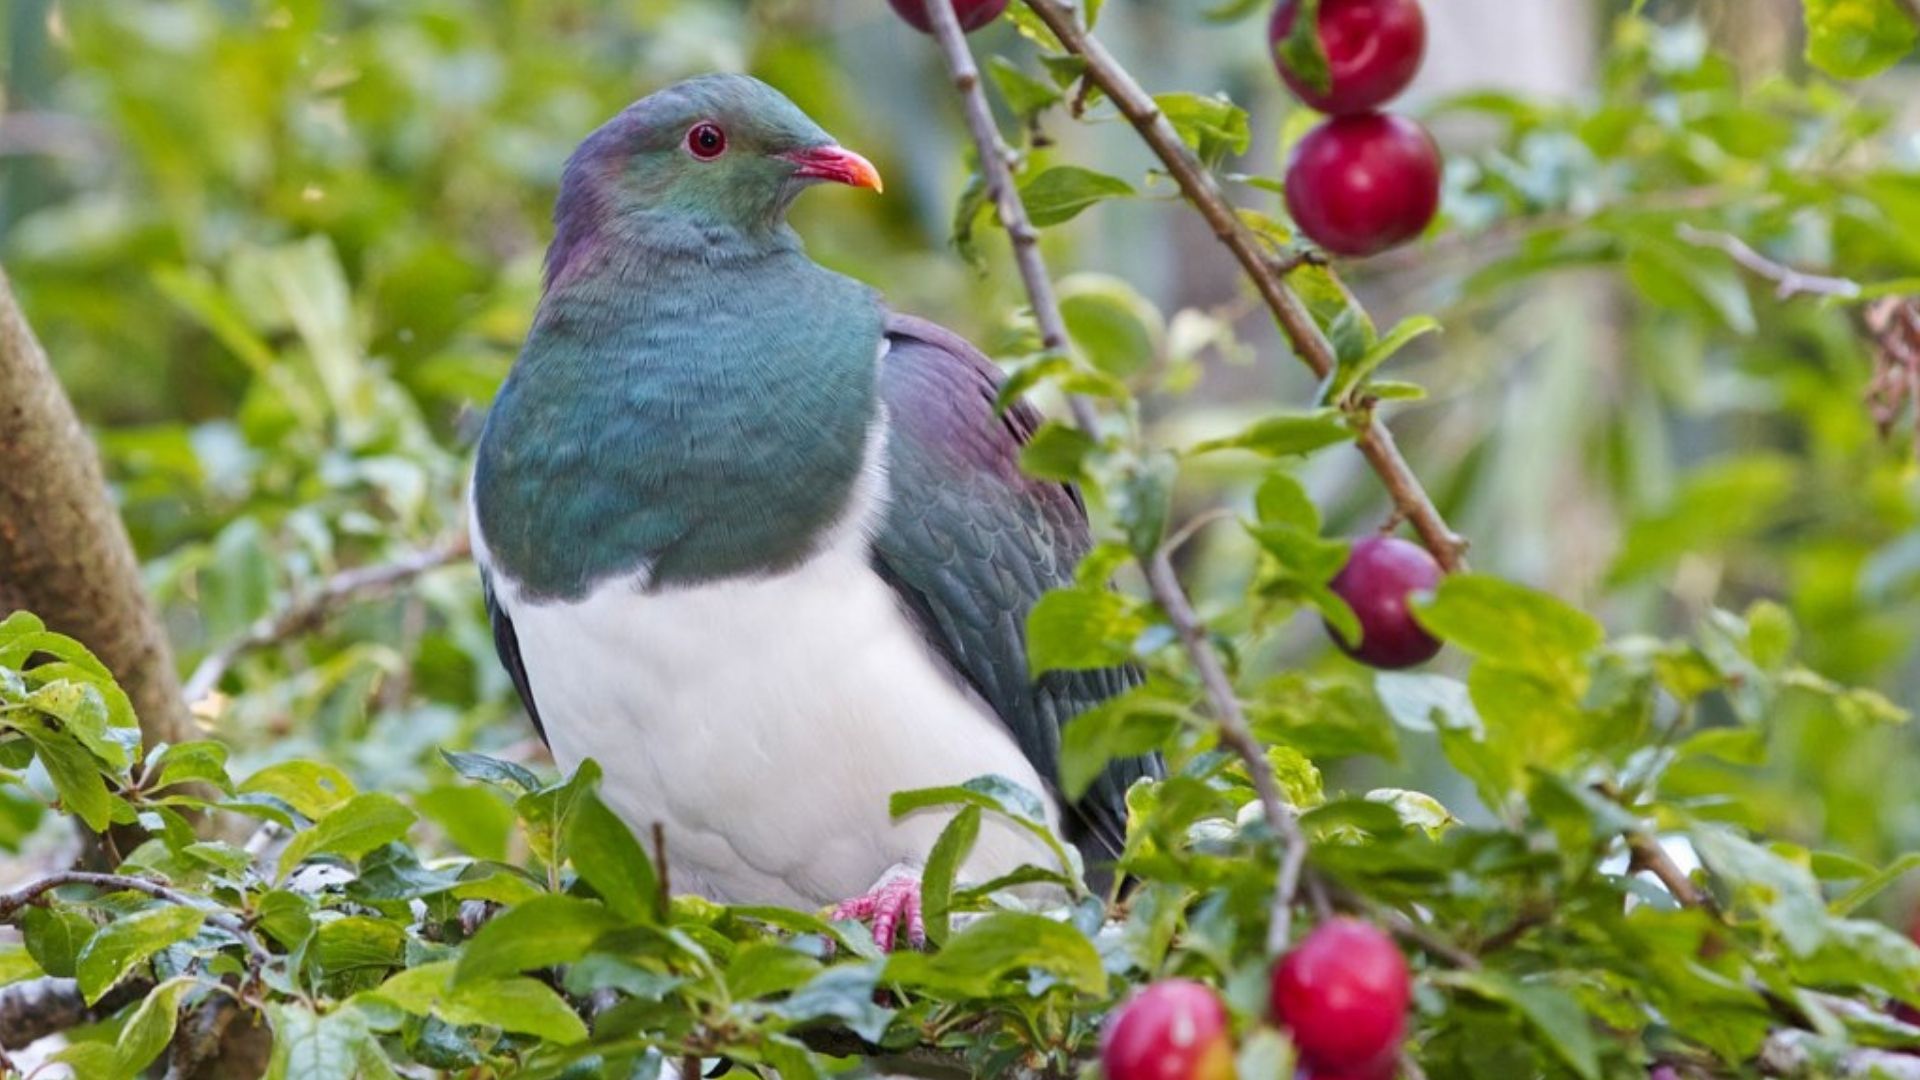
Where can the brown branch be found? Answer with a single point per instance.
(11, 902)
(311, 611)
(1912, 8)
(1646, 854)
(996, 168)
(1200, 189)
(64, 552)
(34, 1009)
(1238, 737)
(1788, 282)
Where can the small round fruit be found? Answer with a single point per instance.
(1358, 185)
(974, 14)
(1342, 993)
(1373, 49)
(1381, 575)
(1664, 1072)
(1172, 1030)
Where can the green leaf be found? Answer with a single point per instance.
(764, 968)
(488, 770)
(1283, 500)
(82, 712)
(337, 1046)
(997, 945)
(1214, 126)
(1027, 96)
(1875, 884)
(605, 853)
(542, 932)
(943, 862)
(1057, 451)
(310, 787)
(150, 1029)
(511, 1002)
(17, 965)
(204, 761)
(1853, 39)
(1115, 328)
(1672, 275)
(351, 829)
(129, 940)
(1062, 192)
(55, 937)
(1133, 723)
(75, 775)
(1301, 50)
(1284, 434)
(1350, 377)
(357, 943)
(997, 794)
(1556, 1014)
(545, 814)
(1081, 629)
(1511, 625)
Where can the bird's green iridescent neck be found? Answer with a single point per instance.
(692, 404)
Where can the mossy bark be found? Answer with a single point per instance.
(64, 552)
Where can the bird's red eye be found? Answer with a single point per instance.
(707, 141)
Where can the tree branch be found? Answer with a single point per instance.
(311, 611)
(1788, 282)
(996, 168)
(11, 902)
(64, 552)
(1200, 189)
(34, 1009)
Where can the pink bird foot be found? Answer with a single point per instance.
(893, 906)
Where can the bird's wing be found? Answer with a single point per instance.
(507, 644)
(971, 543)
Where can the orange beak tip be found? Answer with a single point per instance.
(838, 165)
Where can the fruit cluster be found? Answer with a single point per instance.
(1363, 181)
(1342, 995)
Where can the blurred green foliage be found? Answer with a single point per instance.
(282, 253)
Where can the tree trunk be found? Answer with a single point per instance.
(64, 552)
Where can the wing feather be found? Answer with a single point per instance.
(971, 543)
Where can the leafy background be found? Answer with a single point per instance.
(283, 253)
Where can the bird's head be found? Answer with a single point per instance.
(716, 154)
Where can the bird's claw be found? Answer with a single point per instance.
(892, 906)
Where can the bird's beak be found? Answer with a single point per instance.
(836, 164)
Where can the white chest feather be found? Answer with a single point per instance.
(765, 722)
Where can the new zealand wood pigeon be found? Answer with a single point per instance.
(758, 545)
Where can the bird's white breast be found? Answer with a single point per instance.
(765, 721)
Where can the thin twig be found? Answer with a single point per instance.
(995, 167)
(1912, 8)
(310, 611)
(1788, 282)
(1646, 853)
(12, 902)
(1200, 189)
(1238, 737)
